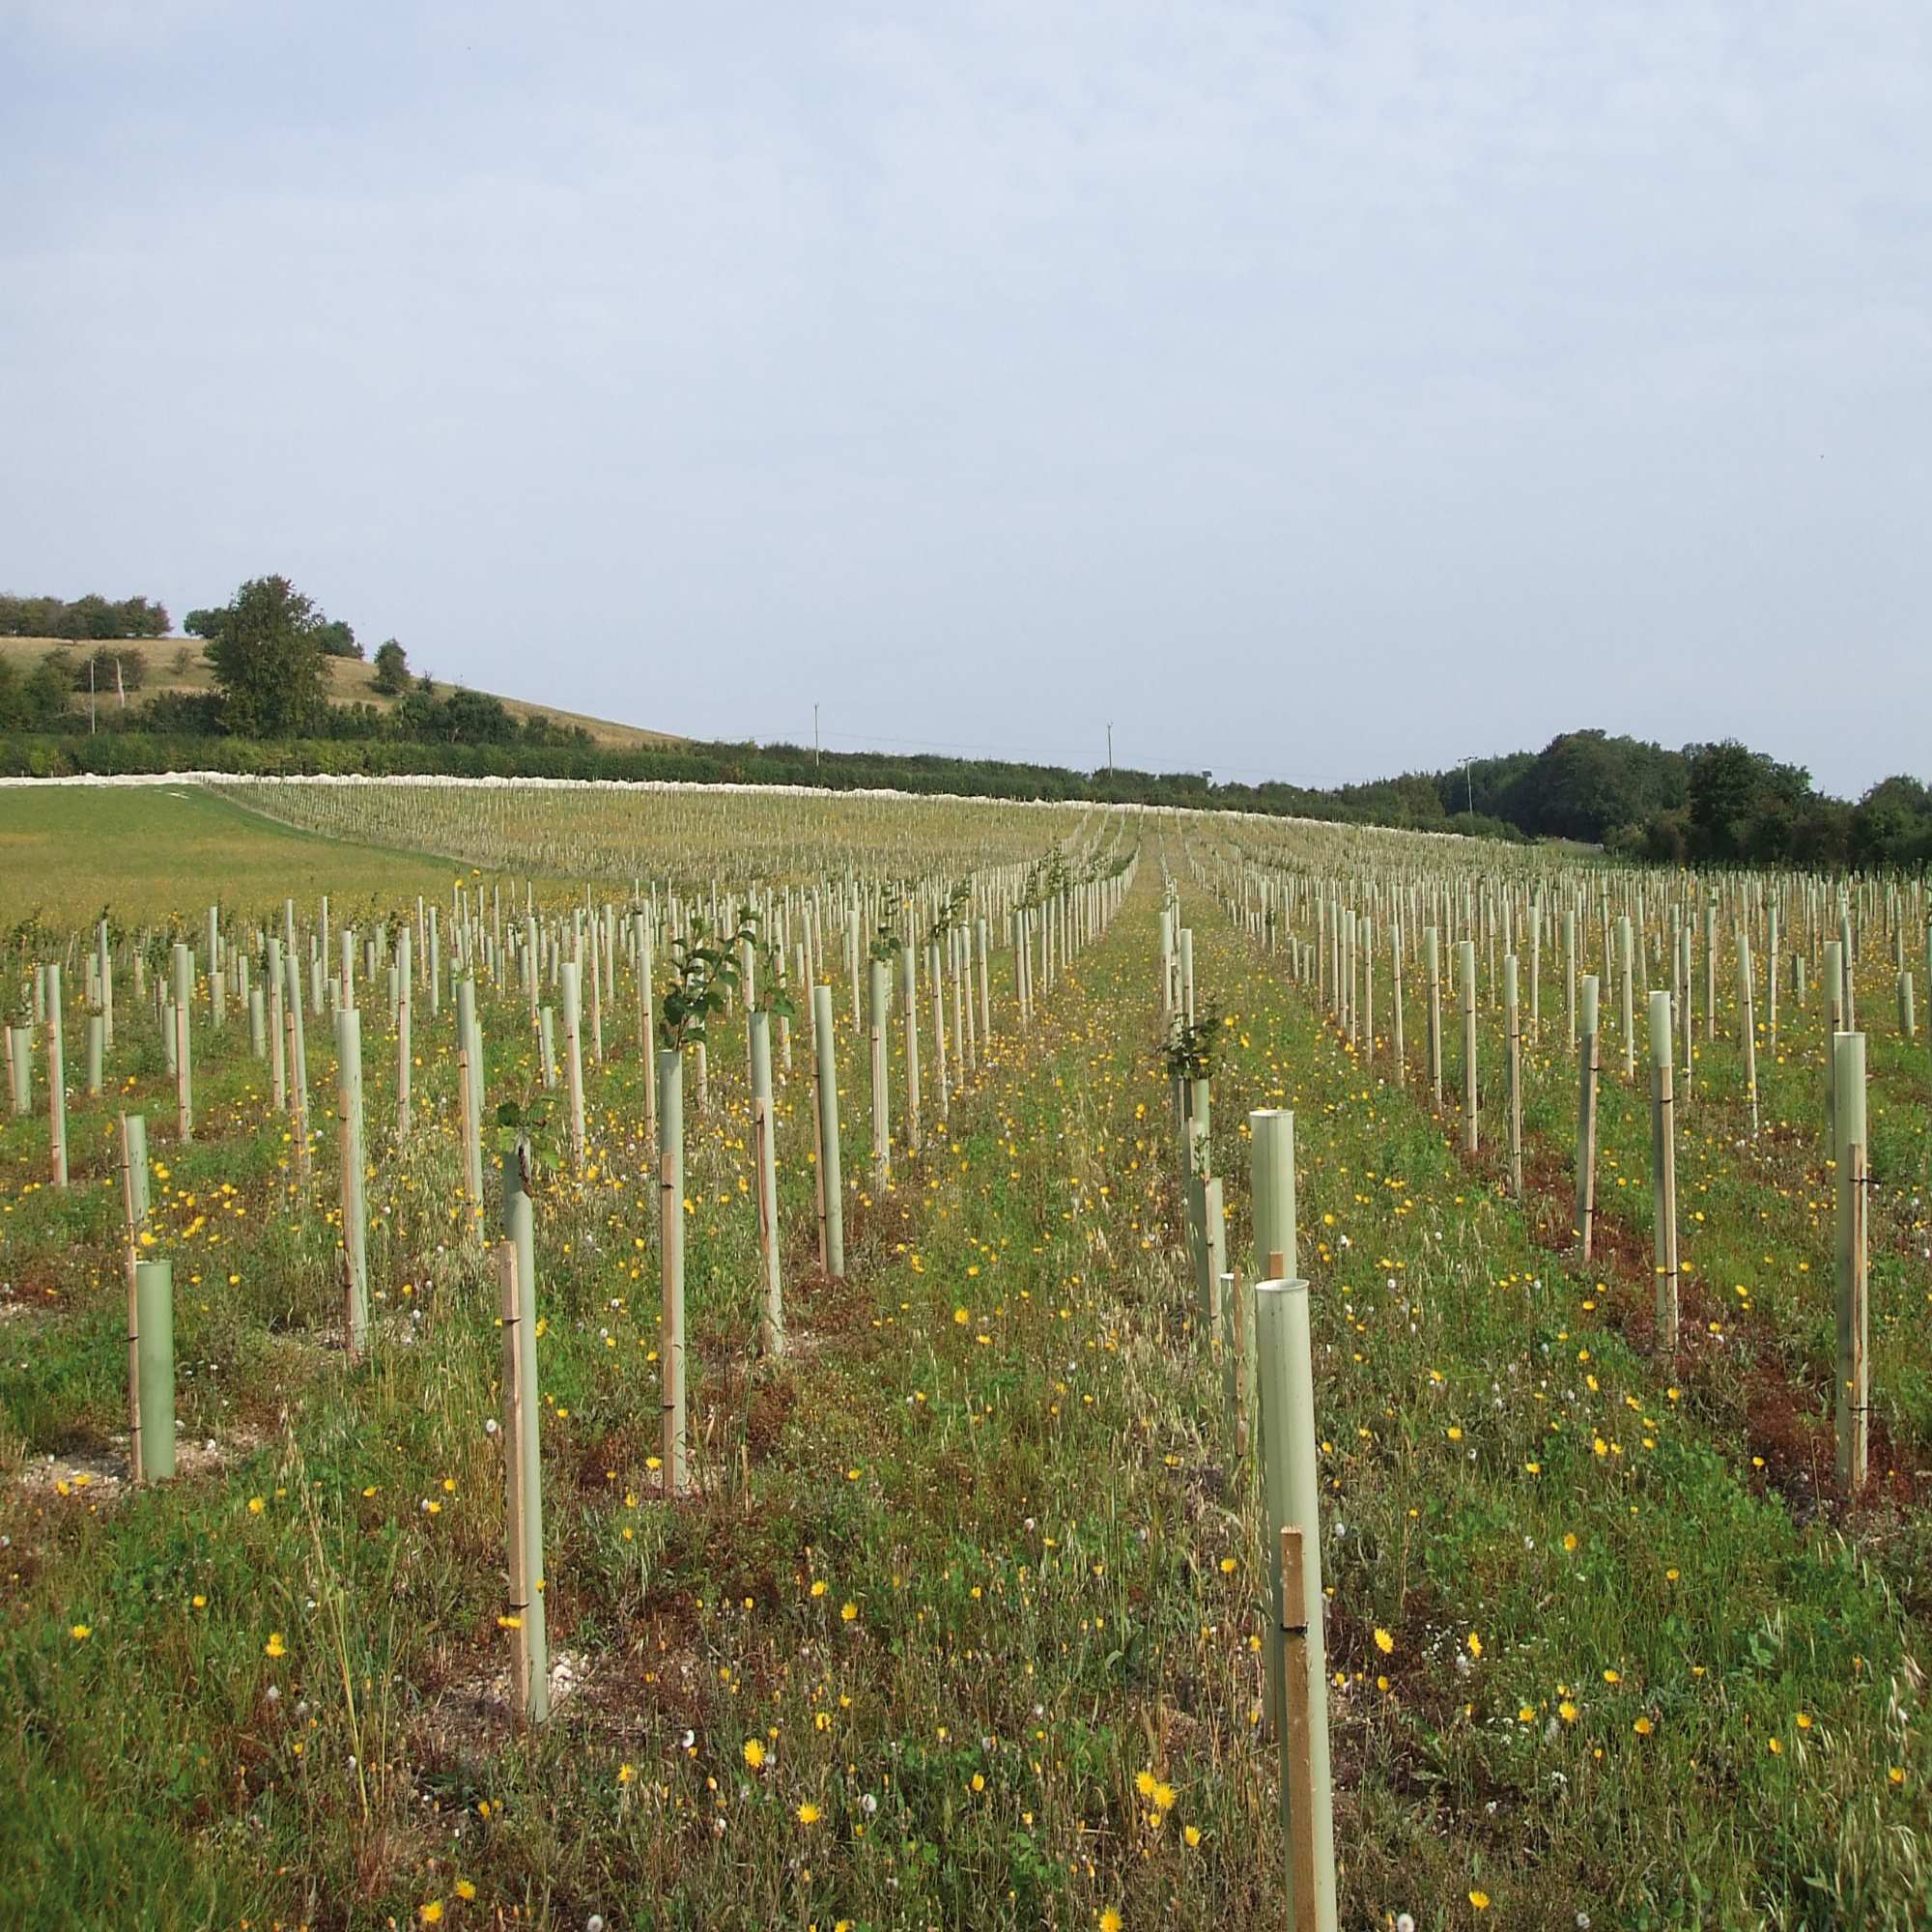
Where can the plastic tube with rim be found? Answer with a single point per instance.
(1297, 1646)
(354, 1212)
(831, 1185)
(1587, 1058)
(523, 1448)
(764, 1130)
(671, 1255)
(155, 1356)
(1853, 1410)
(1663, 1170)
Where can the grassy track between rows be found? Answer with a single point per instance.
(1621, 1680)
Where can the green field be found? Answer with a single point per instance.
(144, 852)
(965, 1624)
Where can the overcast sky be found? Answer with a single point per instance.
(1312, 391)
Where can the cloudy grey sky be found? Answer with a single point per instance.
(1310, 390)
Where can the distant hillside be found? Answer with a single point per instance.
(176, 664)
(1698, 804)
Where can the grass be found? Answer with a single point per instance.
(974, 1568)
(145, 853)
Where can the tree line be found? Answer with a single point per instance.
(1718, 803)
(86, 619)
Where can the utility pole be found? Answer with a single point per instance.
(91, 726)
(815, 741)
(1468, 775)
(1110, 751)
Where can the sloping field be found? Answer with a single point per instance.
(175, 664)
